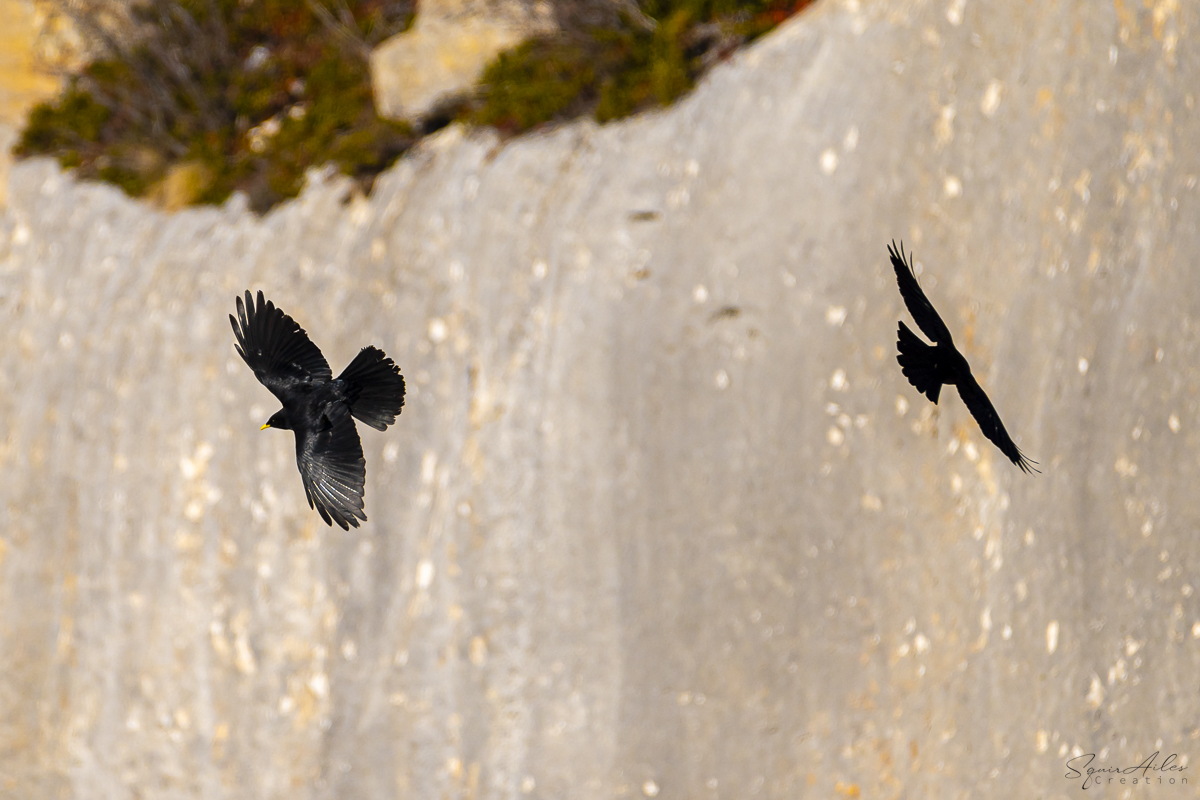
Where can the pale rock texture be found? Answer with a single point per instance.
(661, 516)
(446, 49)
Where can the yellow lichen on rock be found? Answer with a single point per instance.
(24, 81)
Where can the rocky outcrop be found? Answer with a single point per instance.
(661, 516)
(446, 50)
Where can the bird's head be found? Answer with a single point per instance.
(277, 420)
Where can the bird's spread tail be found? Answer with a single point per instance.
(918, 363)
(375, 388)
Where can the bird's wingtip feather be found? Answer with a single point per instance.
(1027, 464)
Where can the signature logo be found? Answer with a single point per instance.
(1081, 767)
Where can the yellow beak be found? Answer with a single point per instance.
(265, 426)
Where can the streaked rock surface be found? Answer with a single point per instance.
(661, 516)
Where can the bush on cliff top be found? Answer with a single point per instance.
(189, 100)
(250, 93)
(643, 56)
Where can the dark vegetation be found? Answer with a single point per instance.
(246, 94)
(612, 59)
(210, 96)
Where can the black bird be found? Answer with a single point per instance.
(318, 407)
(928, 367)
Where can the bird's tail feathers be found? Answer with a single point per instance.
(375, 388)
(918, 364)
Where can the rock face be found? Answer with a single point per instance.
(661, 516)
(446, 50)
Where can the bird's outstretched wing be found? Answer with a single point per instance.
(275, 347)
(914, 297)
(333, 468)
(977, 402)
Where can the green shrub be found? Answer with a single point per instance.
(254, 92)
(616, 70)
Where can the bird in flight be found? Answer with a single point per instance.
(928, 367)
(317, 407)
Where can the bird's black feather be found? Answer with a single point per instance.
(333, 468)
(922, 310)
(318, 408)
(276, 347)
(374, 388)
(929, 367)
(981, 408)
(918, 362)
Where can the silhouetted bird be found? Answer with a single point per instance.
(318, 407)
(929, 367)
